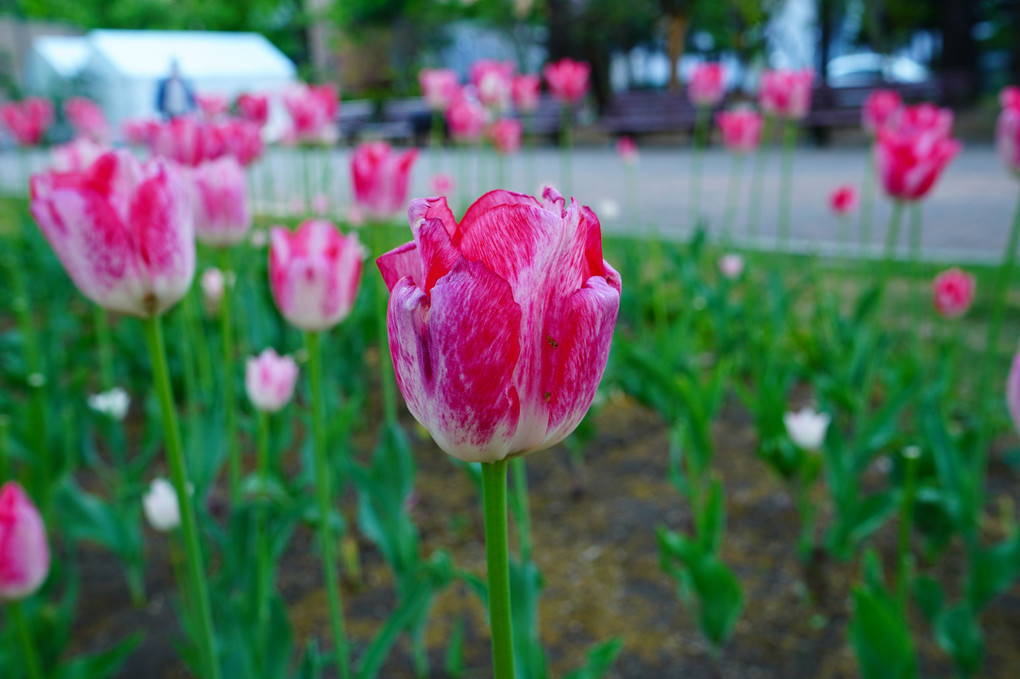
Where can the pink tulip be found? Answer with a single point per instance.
(1007, 130)
(213, 283)
(953, 292)
(567, 79)
(87, 119)
(313, 110)
(24, 549)
(314, 273)
(526, 91)
(506, 136)
(741, 129)
(242, 139)
(220, 202)
(139, 131)
(466, 118)
(122, 229)
(380, 178)
(494, 81)
(77, 155)
(879, 108)
(627, 149)
(707, 86)
(212, 105)
(785, 93)
(843, 200)
(500, 325)
(439, 86)
(1013, 392)
(187, 141)
(28, 120)
(913, 150)
(731, 266)
(269, 380)
(441, 184)
(254, 108)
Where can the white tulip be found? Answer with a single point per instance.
(113, 403)
(807, 428)
(161, 507)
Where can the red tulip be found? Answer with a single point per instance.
(500, 325)
(526, 91)
(879, 108)
(741, 129)
(242, 139)
(314, 273)
(1007, 130)
(122, 229)
(707, 86)
(87, 119)
(212, 105)
(28, 120)
(220, 202)
(843, 200)
(380, 178)
(187, 141)
(254, 108)
(439, 86)
(466, 118)
(506, 136)
(24, 549)
(313, 110)
(785, 93)
(567, 79)
(627, 149)
(953, 292)
(493, 81)
(913, 150)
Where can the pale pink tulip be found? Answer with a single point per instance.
(123, 230)
(380, 176)
(913, 149)
(708, 84)
(526, 91)
(493, 80)
(269, 380)
(506, 136)
(567, 79)
(439, 86)
(314, 273)
(87, 119)
(1007, 129)
(254, 108)
(785, 93)
(213, 282)
(627, 149)
(731, 266)
(28, 120)
(741, 129)
(843, 200)
(24, 549)
(220, 202)
(879, 108)
(500, 325)
(953, 292)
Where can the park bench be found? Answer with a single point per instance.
(643, 112)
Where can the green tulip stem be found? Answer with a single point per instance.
(197, 338)
(263, 586)
(892, 236)
(758, 179)
(786, 184)
(382, 302)
(867, 205)
(28, 648)
(229, 399)
(698, 140)
(5, 450)
(914, 240)
(910, 457)
(497, 564)
(179, 477)
(325, 502)
(521, 510)
(105, 348)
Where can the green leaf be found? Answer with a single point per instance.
(881, 637)
(720, 599)
(928, 594)
(600, 660)
(88, 517)
(103, 663)
(958, 634)
(993, 571)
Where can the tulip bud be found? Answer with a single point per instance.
(807, 428)
(269, 380)
(741, 129)
(953, 292)
(843, 200)
(567, 79)
(161, 507)
(707, 86)
(24, 550)
(627, 149)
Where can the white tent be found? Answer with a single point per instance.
(53, 62)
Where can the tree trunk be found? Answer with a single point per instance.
(824, 38)
(558, 20)
(959, 49)
(676, 32)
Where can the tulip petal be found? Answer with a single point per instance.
(401, 262)
(424, 209)
(454, 359)
(491, 200)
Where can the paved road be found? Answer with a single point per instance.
(966, 218)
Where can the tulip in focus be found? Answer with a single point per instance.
(113, 403)
(439, 86)
(1007, 129)
(269, 380)
(380, 176)
(567, 79)
(24, 549)
(879, 109)
(627, 149)
(161, 507)
(314, 273)
(741, 129)
(500, 325)
(87, 119)
(731, 266)
(526, 91)
(123, 230)
(953, 292)
(707, 86)
(28, 120)
(506, 136)
(77, 155)
(254, 108)
(785, 93)
(213, 284)
(466, 118)
(807, 428)
(913, 150)
(843, 200)
(220, 202)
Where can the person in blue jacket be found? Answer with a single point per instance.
(174, 95)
